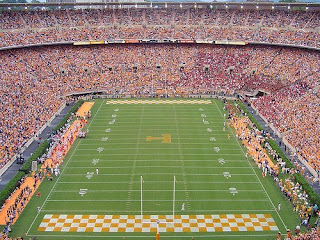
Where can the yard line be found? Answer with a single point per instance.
(49, 195)
(124, 200)
(149, 148)
(169, 174)
(164, 211)
(134, 162)
(164, 154)
(152, 237)
(158, 190)
(163, 127)
(129, 131)
(208, 134)
(162, 166)
(125, 182)
(183, 124)
(172, 137)
(254, 171)
(156, 143)
(162, 160)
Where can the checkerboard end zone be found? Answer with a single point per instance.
(148, 223)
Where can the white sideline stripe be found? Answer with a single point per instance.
(157, 190)
(253, 171)
(69, 160)
(121, 200)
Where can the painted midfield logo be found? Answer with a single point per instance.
(166, 138)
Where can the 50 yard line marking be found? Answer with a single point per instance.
(274, 207)
(49, 195)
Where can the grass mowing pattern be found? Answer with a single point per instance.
(127, 155)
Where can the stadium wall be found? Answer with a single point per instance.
(160, 41)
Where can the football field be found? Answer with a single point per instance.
(161, 158)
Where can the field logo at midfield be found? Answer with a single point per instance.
(166, 138)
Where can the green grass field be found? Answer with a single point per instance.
(192, 156)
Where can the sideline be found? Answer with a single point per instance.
(27, 233)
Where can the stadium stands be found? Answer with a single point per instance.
(31, 27)
(45, 74)
(33, 80)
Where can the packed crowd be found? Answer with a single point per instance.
(294, 111)
(19, 203)
(31, 27)
(254, 140)
(33, 81)
(313, 234)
